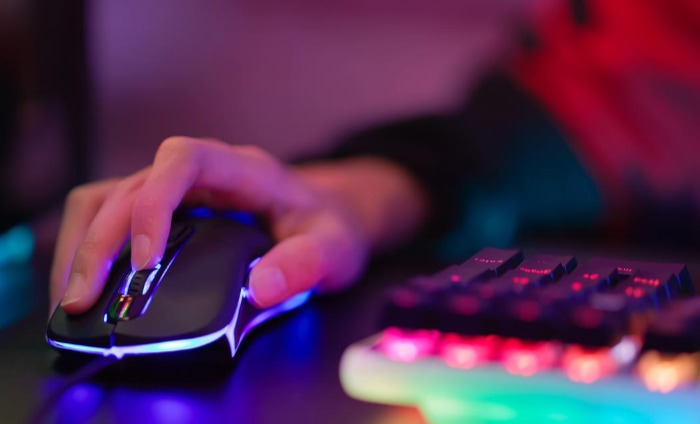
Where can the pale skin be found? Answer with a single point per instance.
(327, 218)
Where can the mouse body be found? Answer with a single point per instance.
(194, 297)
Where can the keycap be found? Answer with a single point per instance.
(586, 279)
(644, 289)
(418, 303)
(465, 314)
(604, 317)
(676, 328)
(541, 297)
(533, 314)
(531, 273)
(498, 260)
(683, 286)
(406, 307)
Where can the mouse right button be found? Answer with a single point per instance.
(179, 233)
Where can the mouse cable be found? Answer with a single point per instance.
(84, 373)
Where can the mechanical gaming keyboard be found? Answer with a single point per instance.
(504, 338)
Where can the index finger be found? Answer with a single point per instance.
(242, 177)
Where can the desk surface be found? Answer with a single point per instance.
(286, 373)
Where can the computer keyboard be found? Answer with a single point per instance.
(508, 338)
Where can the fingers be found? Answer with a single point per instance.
(103, 240)
(324, 254)
(315, 247)
(82, 204)
(238, 177)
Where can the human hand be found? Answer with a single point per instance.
(321, 239)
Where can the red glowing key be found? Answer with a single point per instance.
(588, 366)
(465, 352)
(526, 359)
(407, 346)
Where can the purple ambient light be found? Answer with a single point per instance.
(195, 342)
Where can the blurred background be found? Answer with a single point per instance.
(89, 89)
(291, 76)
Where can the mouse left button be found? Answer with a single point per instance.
(82, 333)
(87, 332)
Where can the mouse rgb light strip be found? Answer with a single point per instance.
(182, 344)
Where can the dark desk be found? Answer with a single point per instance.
(286, 373)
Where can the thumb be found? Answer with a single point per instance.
(299, 263)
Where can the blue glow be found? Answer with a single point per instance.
(80, 404)
(195, 342)
(287, 305)
(120, 351)
(171, 410)
(16, 245)
(17, 292)
(201, 212)
(245, 218)
(125, 287)
(253, 263)
(149, 280)
(242, 217)
(170, 346)
(77, 348)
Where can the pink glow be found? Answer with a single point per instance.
(466, 353)
(407, 346)
(648, 281)
(527, 359)
(634, 292)
(587, 317)
(536, 271)
(527, 310)
(487, 261)
(521, 362)
(587, 366)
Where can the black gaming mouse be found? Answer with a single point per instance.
(197, 295)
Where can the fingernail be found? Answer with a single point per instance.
(267, 286)
(74, 290)
(140, 252)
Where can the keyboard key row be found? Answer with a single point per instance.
(545, 297)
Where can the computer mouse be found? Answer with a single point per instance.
(198, 294)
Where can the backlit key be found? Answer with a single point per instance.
(533, 272)
(676, 328)
(498, 260)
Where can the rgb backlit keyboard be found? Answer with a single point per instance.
(503, 337)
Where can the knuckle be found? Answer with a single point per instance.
(85, 195)
(144, 206)
(87, 252)
(176, 146)
(263, 160)
(80, 197)
(255, 152)
(124, 186)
